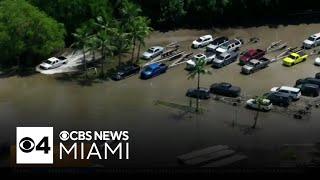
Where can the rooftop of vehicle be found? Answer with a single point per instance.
(288, 88)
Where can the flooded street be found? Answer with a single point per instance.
(158, 134)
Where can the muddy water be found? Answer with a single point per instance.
(159, 134)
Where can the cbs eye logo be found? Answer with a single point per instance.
(27, 145)
(34, 145)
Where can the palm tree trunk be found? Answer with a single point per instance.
(138, 55)
(256, 117)
(102, 61)
(198, 88)
(133, 49)
(85, 63)
(119, 60)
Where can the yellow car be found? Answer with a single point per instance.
(295, 58)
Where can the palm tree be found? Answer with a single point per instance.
(121, 42)
(129, 11)
(260, 102)
(106, 48)
(104, 40)
(197, 71)
(93, 46)
(81, 42)
(143, 31)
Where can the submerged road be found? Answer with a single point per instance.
(159, 134)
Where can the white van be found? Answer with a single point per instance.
(312, 41)
(294, 93)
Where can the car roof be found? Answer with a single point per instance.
(153, 66)
(294, 54)
(310, 85)
(254, 61)
(156, 47)
(200, 88)
(220, 38)
(225, 84)
(225, 54)
(316, 35)
(206, 36)
(200, 55)
(287, 88)
(53, 59)
(234, 41)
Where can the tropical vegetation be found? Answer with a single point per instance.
(32, 30)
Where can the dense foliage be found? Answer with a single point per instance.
(205, 13)
(34, 29)
(27, 33)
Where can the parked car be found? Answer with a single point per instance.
(224, 59)
(53, 62)
(317, 61)
(126, 71)
(202, 41)
(153, 52)
(203, 93)
(192, 62)
(232, 45)
(255, 65)
(251, 54)
(225, 89)
(294, 93)
(153, 70)
(308, 80)
(209, 56)
(217, 42)
(311, 90)
(312, 41)
(295, 58)
(213, 48)
(279, 98)
(317, 76)
(266, 104)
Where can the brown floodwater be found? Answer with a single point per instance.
(159, 134)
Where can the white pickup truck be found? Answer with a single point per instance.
(208, 57)
(53, 62)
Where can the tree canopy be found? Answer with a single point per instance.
(27, 33)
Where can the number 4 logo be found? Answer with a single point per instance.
(34, 145)
(43, 145)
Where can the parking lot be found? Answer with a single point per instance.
(168, 132)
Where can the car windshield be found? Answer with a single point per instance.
(224, 46)
(219, 57)
(150, 50)
(148, 69)
(62, 58)
(48, 62)
(311, 39)
(199, 40)
(249, 53)
(292, 57)
(251, 63)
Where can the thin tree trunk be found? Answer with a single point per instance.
(198, 88)
(85, 63)
(256, 117)
(102, 61)
(133, 49)
(119, 60)
(139, 49)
